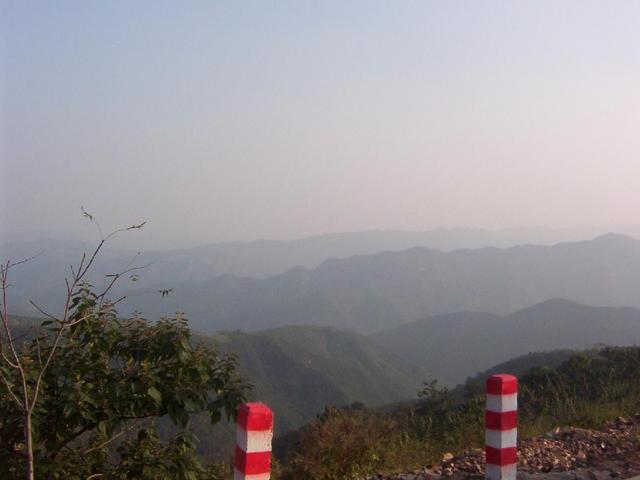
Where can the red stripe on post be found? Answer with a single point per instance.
(501, 456)
(500, 420)
(255, 416)
(501, 389)
(502, 384)
(252, 463)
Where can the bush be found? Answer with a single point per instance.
(350, 443)
(79, 396)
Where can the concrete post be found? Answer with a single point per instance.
(254, 432)
(501, 418)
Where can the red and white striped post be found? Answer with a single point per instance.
(501, 419)
(254, 431)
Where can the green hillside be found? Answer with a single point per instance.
(518, 366)
(579, 389)
(455, 346)
(298, 370)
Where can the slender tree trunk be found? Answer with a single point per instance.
(29, 473)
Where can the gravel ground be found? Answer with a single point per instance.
(564, 454)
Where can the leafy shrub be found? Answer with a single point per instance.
(98, 398)
(349, 443)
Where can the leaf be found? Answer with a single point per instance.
(154, 393)
(67, 410)
(102, 427)
(216, 416)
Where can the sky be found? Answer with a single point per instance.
(239, 120)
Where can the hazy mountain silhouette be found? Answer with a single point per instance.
(454, 346)
(376, 292)
(368, 293)
(259, 259)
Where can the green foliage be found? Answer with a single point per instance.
(440, 419)
(298, 370)
(348, 443)
(584, 391)
(435, 412)
(109, 380)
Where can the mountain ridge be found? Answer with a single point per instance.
(369, 293)
(481, 340)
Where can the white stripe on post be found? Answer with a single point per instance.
(502, 403)
(498, 439)
(254, 432)
(501, 434)
(496, 471)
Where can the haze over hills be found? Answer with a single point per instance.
(376, 292)
(301, 369)
(44, 275)
(455, 346)
(298, 370)
(369, 293)
(519, 366)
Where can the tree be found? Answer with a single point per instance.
(435, 412)
(79, 397)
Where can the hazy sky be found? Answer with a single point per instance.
(240, 120)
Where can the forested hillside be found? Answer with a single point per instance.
(299, 370)
(371, 293)
(376, 292)
(583, 391)
(456, 346)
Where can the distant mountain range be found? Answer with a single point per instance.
(259, 259)
(369, 293)
(456, 346)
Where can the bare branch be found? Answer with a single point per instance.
(44, 312)
(81, 319)
(115, 302)
(4, 317)
(38, 346)
(116, 436)
(80, 274)
(10, 390)
(6, 359)
(19, 337)
(25, 260)
(115, 276)
(92, 219)
(31, 405)
(30, 396)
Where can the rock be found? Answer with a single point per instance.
(563, 454)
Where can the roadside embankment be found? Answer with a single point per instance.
(564, 454)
